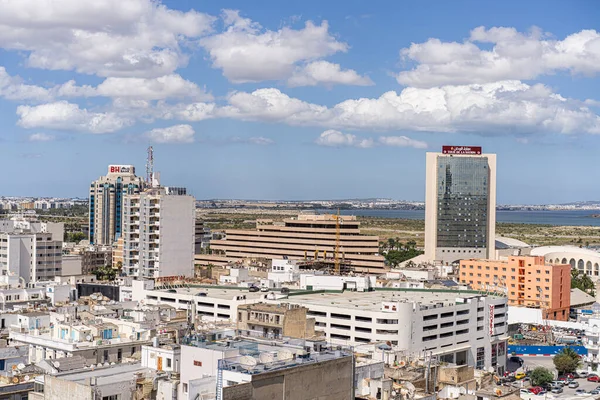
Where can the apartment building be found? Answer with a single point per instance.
(527, 280)
(460, 204)
(106, 202)
(158, 234)
(276, 320)
(202, 237)
(30, 251)
(304, 237)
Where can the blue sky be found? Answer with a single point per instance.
(299, 100)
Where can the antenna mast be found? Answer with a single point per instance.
(150, 166)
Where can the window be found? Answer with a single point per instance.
(168, 363)
(428, 338)
(480, 357)
(197, 363)
(113, 397)
(185, 388)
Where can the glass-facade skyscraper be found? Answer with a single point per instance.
(106, 203)
(460, 209)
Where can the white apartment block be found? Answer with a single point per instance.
(158, 234)
(30, 251)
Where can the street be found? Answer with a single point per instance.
(546, 362)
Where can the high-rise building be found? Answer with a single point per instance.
(527, 281)
(460, 204)
(158, 234)
(106, 202)
(30, 250)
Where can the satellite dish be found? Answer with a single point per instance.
(284, 355)
(56, 364)
(491, 369)
(93, 297)
(88, 338)
(15, 380)
(266, 358)
(248, 362)
(26, 378)
(20, 366)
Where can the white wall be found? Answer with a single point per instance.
(177, 235)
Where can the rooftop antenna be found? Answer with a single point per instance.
(150, 166)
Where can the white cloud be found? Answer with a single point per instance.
(139, 38)
(248, 53)
(510, 107)
(335, 138)
(41, 137)
(168, 86)
(514, 55)
(13, 88)
(401, 141)
(326, 73)
(68, 116)
(171, 134)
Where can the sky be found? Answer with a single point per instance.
(300, 99)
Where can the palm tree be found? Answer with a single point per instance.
(391, 244)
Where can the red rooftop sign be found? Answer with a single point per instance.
(461, 150)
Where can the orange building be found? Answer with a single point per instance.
(528, 282)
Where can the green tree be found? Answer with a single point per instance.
(582, 281)
(106, 273)
(566, 361)
(540, 376)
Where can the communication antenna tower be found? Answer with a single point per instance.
(150, 166)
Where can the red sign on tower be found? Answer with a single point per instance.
(464, 150)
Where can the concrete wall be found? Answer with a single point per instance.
(177, 235)
(328, 380)
(56, 388)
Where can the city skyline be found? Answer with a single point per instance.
(302, 102)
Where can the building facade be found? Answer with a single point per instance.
(460, 204)
(106, 202)
(308, 236)
(528, 282)
(276, 320)
(29, 250)
(158, 234)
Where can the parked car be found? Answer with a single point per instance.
(253, 289)
(580, 392)
(264, 289)
(172, 291)
(524, 391)
(517, 360)
(520, 375)
(558, 383)
(557, 389)
(535, 389)
(573, 385)
(510, 378)
(595, 392)
(285, 290)
(593, 378)
(583, 374)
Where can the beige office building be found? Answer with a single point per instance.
(106, 202)
(460, 204)
(299, 238)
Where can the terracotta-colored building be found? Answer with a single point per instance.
(528, 282)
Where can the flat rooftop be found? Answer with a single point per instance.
(215, 293)
(371, 301)
(106, 375)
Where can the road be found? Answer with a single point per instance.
(567, 394)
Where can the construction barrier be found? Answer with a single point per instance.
(546, 351)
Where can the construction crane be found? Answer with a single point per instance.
(336, 254)
(544, 310)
